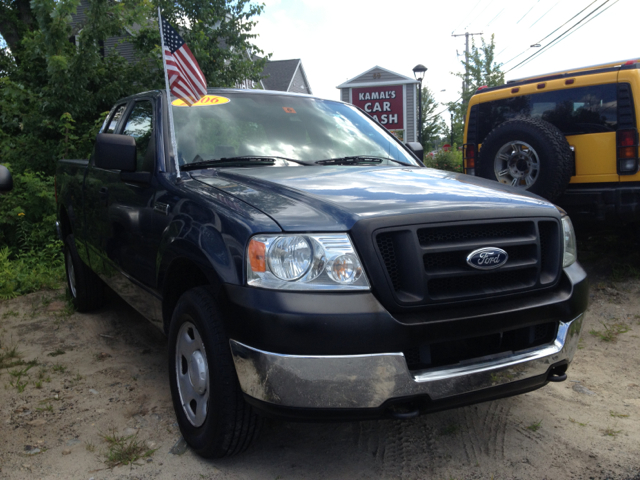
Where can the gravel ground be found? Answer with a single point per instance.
(103, 376)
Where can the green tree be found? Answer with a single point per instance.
(44, 75)
(432, 124)
(480, 69)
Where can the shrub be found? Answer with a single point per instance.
(450, 161)
(31, 258)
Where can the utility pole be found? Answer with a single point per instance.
(465, 83)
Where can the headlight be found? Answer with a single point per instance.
(304, 262)
(570, 251)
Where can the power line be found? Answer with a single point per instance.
(481, 12)
(594, 1)
(600, 13)
(496, 17)
(540, 41)
(560, 36)
(532, 7)
(545, 14)
(467, 16)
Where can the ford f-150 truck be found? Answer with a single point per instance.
(305, 264)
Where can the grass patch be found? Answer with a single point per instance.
(47, 408)
(610, 332)
(17, 375)
(610, 432)
(535, 426)
(59, 368)
(57, 352)
(10, 313)
(123, 450)
(572, 420)
(9, 356)
(618, 415)
(31, 271)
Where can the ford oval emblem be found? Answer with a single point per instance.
(487, 258)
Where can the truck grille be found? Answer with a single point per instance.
(427, 264)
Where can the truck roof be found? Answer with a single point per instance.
(599, 66)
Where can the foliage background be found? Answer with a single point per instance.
(481, 69)
(56, 86)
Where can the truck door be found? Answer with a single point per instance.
(128, 244)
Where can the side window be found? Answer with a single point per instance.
(140, 126)
(113, 121)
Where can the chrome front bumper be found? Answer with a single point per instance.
(367, 381)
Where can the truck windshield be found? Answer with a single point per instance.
(303, 129)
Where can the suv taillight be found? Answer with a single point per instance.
(627, 147)
(469, 154)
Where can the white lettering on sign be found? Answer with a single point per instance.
(386, 106)
(386, 119)
(377, 95)
(367, 107)
(377, 107)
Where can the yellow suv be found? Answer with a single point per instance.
(568, 136)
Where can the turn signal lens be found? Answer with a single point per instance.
(257, 251)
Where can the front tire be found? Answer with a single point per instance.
(86, 288)
(527, 153)
(213, 417)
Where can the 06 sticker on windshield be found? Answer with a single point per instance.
(203, 102)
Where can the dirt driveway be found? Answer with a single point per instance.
(76, 389)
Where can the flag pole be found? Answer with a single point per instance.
(174, 144)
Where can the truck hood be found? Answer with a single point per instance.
(333, 198)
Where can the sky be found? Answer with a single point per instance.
(340, 39)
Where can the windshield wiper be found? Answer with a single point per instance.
(243, 159)
(358, 160)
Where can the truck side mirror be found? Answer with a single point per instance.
(6, 182)
(417, 149)
(115, 152)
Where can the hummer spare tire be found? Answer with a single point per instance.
(527, 153)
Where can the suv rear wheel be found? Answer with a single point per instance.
(527, 153)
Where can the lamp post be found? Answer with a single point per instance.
(418, 72)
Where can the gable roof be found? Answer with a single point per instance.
(387, 77)
(279, 75)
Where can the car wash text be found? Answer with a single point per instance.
(384, 104)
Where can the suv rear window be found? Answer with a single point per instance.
(574, 111)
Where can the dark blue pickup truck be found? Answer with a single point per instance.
(304, 264)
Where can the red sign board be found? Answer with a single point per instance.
(384, 104)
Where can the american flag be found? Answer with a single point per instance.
(186, 80)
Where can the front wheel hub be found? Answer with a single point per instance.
(192, 373)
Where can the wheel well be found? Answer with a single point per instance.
(182, 275)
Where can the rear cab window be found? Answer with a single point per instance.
(574, 111)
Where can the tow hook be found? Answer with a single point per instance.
(557, 374)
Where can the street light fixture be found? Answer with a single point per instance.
(418, 72)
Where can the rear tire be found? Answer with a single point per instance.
(86, 288)
(213, 417)
(527, 153)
